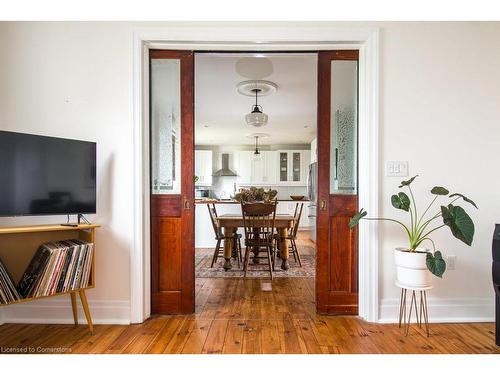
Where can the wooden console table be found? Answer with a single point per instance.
(19, 244)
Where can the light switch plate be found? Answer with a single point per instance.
(451, 262)
(396, 168)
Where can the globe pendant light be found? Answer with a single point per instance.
(256, 118)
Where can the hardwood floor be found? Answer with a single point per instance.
(237, 316)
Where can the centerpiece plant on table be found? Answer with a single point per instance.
(255, 194)
(413, 262)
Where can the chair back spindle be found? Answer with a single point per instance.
(259, 221)
(296, 219)
(213, 218)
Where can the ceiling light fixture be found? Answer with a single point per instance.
(257, 151)
(257, 117)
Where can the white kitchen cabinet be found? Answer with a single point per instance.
(203, 167)
(271, 167)
(264, 168)
(304, 219)
(256, 169)
(204, 236)
(283, 208)
(292, 167)
(288, 208)
(243, 166)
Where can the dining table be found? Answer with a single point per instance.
(230, 222)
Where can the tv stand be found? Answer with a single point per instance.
(18, 244)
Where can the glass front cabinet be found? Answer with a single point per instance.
(293, 165)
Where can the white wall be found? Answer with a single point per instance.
(439, 109)
(440, 96)
(74, 81)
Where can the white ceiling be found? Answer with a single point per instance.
(220, 111)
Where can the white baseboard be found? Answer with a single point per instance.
(58, 311)
(444, 310)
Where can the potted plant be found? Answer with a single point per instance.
(414, 262)
(255, 194)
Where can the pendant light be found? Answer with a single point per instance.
(256, 118)
(257, 151)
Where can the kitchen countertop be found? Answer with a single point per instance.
(232, 201)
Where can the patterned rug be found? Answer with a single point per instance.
(203, 259)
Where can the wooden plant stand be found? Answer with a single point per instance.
(19, 244)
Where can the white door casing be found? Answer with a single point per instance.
(283, 37)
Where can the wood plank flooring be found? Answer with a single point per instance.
(236, 316)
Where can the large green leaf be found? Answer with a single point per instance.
(460, 223)
(356, 218)
(464, 198)
(439, 190)
(401, 201)
(408, 182)
(435, 263)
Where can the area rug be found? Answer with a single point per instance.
(203, 259)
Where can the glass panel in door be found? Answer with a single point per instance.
(165, 126)
(344, 127)
(283, 166)
(296, 166)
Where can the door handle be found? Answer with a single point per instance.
(322, 205)
(187, 204)
(336, 177)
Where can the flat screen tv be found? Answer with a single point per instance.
(46, 175)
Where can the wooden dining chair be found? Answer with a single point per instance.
(259, 224)
(292, 235)
(219, 236)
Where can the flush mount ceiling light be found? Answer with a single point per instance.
(257, 117)
(255, 67)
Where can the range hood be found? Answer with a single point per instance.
(225, 171)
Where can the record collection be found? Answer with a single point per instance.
(57, 267)
(8, 292)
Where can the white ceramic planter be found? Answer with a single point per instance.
(411, 269)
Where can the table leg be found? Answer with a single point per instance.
(228, 247)
(283, 246)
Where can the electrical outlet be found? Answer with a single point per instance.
(451, 262)
(396, 168)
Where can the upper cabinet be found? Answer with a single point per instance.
(243, 166)
(203, 167)
(264, 168)
(292, 166)
(256, 169)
